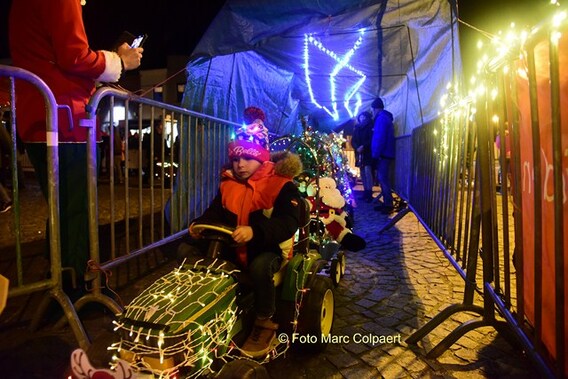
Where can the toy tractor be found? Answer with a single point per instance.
(193, 320)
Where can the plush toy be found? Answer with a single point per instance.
(82, 368)
(330, 212)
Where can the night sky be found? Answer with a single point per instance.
(175, 26)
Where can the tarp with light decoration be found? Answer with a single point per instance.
(327, 60)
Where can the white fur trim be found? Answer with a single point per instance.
(113, 68)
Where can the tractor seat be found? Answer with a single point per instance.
(300, 244)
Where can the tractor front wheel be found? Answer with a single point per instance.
(316, 313)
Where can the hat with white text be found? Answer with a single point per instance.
(251, 142)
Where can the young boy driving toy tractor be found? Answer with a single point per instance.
(259, 198)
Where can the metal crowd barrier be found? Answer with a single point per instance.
(128, 218)
(501, 201)
(22, 284)
(160, 193)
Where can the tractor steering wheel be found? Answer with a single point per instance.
(217, 234)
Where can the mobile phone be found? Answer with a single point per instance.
(139, 41)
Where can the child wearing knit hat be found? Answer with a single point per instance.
(258, 197)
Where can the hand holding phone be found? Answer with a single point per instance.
(130, 39)
(138, 41)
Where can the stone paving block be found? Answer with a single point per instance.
(377, 295)
(351, 329)
(469, 374)
(302, 365)
(429, 375)
(492, 351)
(389, 321)
(416, 366)
(342, 311)
(464, 316)
(377, 329)
(448, 358)
(407, 291)
(355, 348)
(370, 314)
(467, 342)
(393, 350)
(355, 308)
(342, 360)
(377, 358)
(429, 302)
(466, 354)
(407, 358)
(339, 323)
(405, 330)
(394, 371)
(357, 319)
(360, 371)
(413, 323)
(365, 303)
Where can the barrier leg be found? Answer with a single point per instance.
(440, 318)
(395, 219)
(455, 335)
(92, 298)
(69, 314)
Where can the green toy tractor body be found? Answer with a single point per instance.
(191, 321)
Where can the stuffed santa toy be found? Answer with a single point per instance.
(328, 204)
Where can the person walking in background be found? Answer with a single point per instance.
(118, 155)
(160, 150)
(361, 142)
(48, 38)
(383, 150)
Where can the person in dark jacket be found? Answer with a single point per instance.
(258, 197)
(383, 150)
(361, 142)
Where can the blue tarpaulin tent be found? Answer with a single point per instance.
(325, 59)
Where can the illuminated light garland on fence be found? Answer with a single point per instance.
(341, 63)
(454, 104)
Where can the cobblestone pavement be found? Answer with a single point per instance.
(391, 288)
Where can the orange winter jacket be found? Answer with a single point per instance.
(268, 202)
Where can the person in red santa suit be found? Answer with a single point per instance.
(48, 38)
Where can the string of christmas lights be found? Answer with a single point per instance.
(342, 62)
(184, 319)
(169, 341)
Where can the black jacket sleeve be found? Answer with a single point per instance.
(283, 223)
(217, 214)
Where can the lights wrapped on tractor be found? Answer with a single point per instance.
(179, 324)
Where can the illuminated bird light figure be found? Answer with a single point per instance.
(342, 62)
